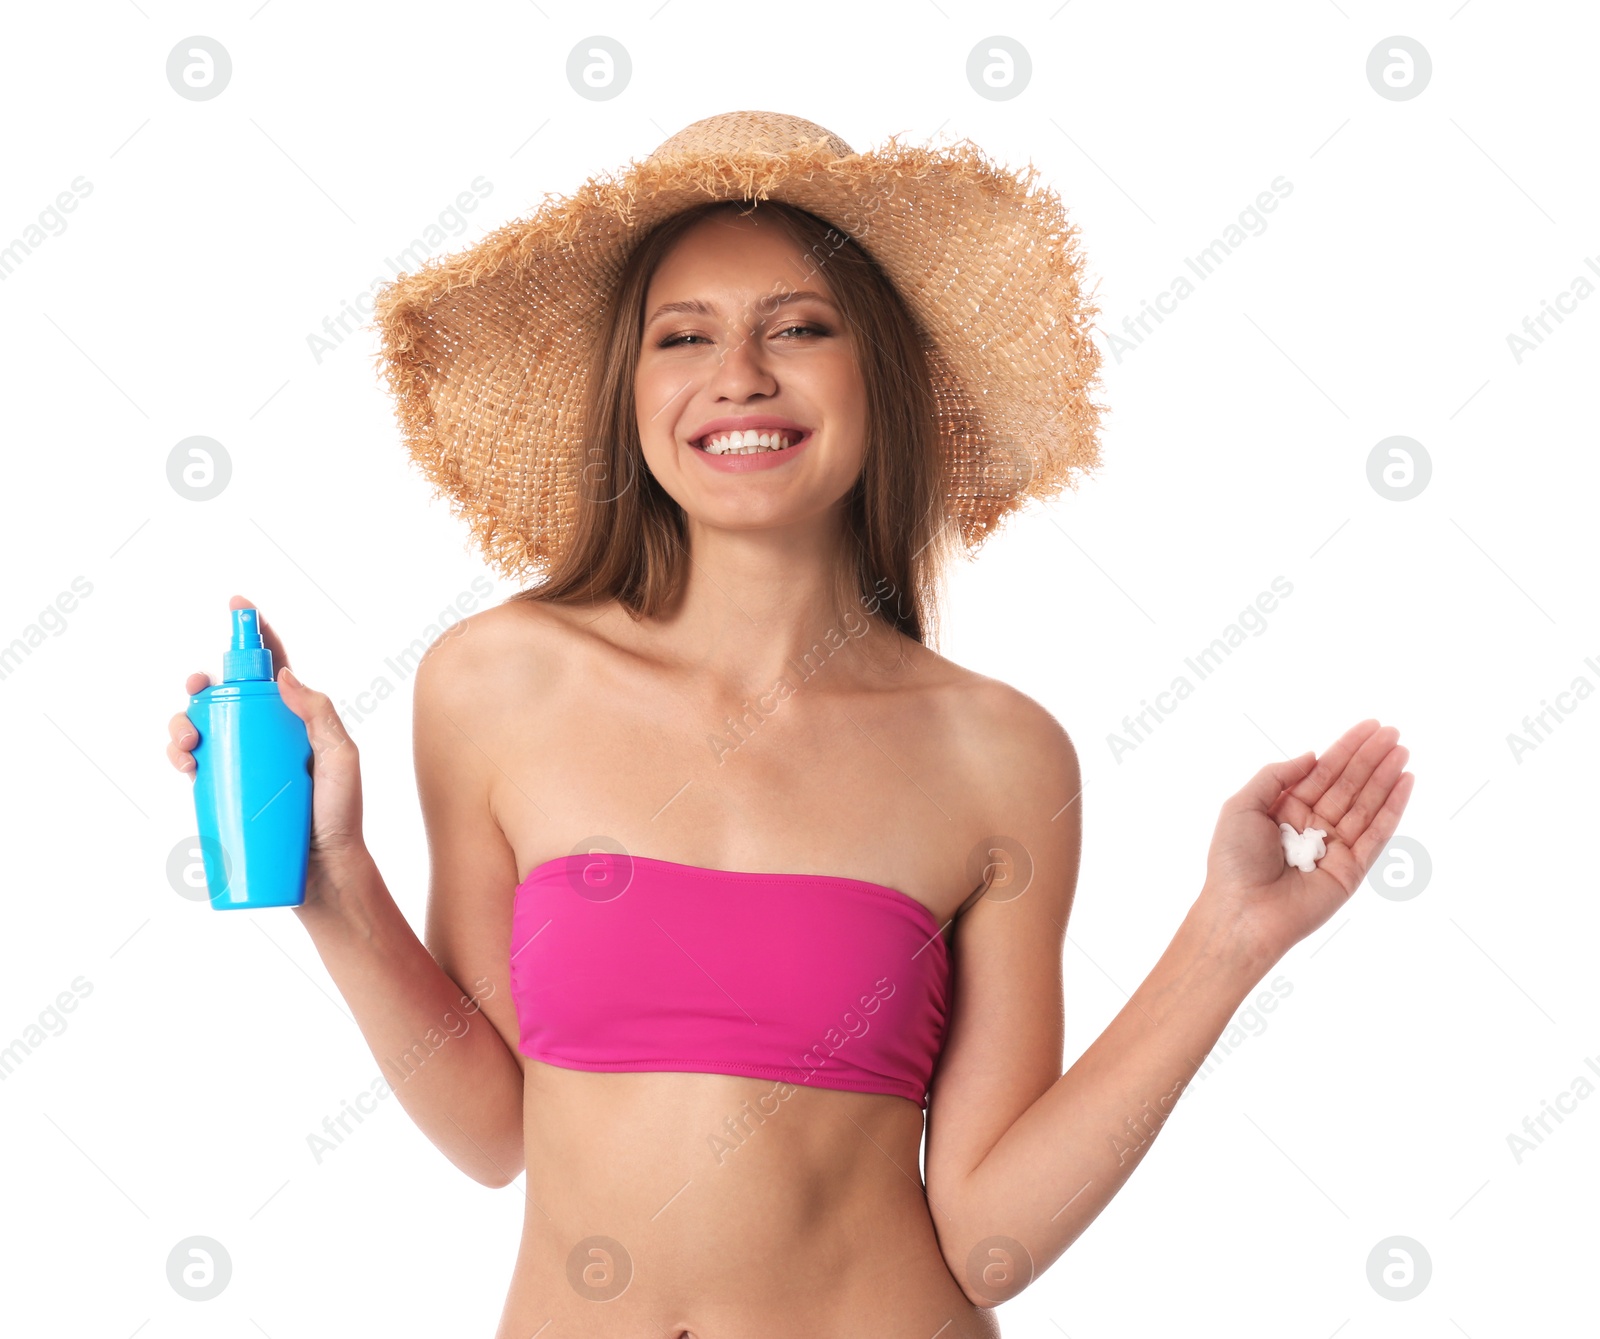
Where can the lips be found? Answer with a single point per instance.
(757, 459)
(722, 434)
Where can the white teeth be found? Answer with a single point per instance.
(750, 441)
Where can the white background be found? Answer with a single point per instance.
(219, 234)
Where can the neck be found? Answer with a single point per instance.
(758, 603)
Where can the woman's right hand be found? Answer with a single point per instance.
(336, 837)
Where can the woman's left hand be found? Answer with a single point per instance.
(1355, 793)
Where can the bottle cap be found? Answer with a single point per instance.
(246, 658)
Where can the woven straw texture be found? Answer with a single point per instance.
(487, 352)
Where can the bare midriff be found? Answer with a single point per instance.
(710, 1206)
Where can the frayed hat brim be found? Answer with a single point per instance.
(487, 352)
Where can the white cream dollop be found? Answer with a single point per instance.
(1302, 849)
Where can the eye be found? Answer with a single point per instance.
(807, 329)
(675, 339)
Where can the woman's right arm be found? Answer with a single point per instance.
(433, 1018)
(450, 1068)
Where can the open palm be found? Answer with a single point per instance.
(1355, 792)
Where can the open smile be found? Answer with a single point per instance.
(751, 441)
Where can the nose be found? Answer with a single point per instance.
(742, 369)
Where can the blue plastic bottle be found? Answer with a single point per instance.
(252, 784)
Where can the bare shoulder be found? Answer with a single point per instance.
(495, 656)
(490, 690)
(1019, 758)
(1000, 727)
(1022, 801)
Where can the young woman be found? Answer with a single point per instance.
(733, 878)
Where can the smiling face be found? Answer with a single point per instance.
(741, 336)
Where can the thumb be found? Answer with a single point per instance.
(324, 729)
(1269, 783)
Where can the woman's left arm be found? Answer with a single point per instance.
(1021, 1158)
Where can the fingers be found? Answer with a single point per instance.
(181, 739)
(1373, 795)
(180, 730)
(181, 734)
(1269, 783)
(1359, 802)
(1366, 847)
(1347, 784)
(1316, 798)
(324, 729)
(1311, 788)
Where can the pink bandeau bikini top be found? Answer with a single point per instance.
(623, 962)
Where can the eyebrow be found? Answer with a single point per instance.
(700, 307)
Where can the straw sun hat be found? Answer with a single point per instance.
(488, 352)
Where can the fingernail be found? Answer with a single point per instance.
(288, 674)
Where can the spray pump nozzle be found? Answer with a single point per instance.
(246, 657)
